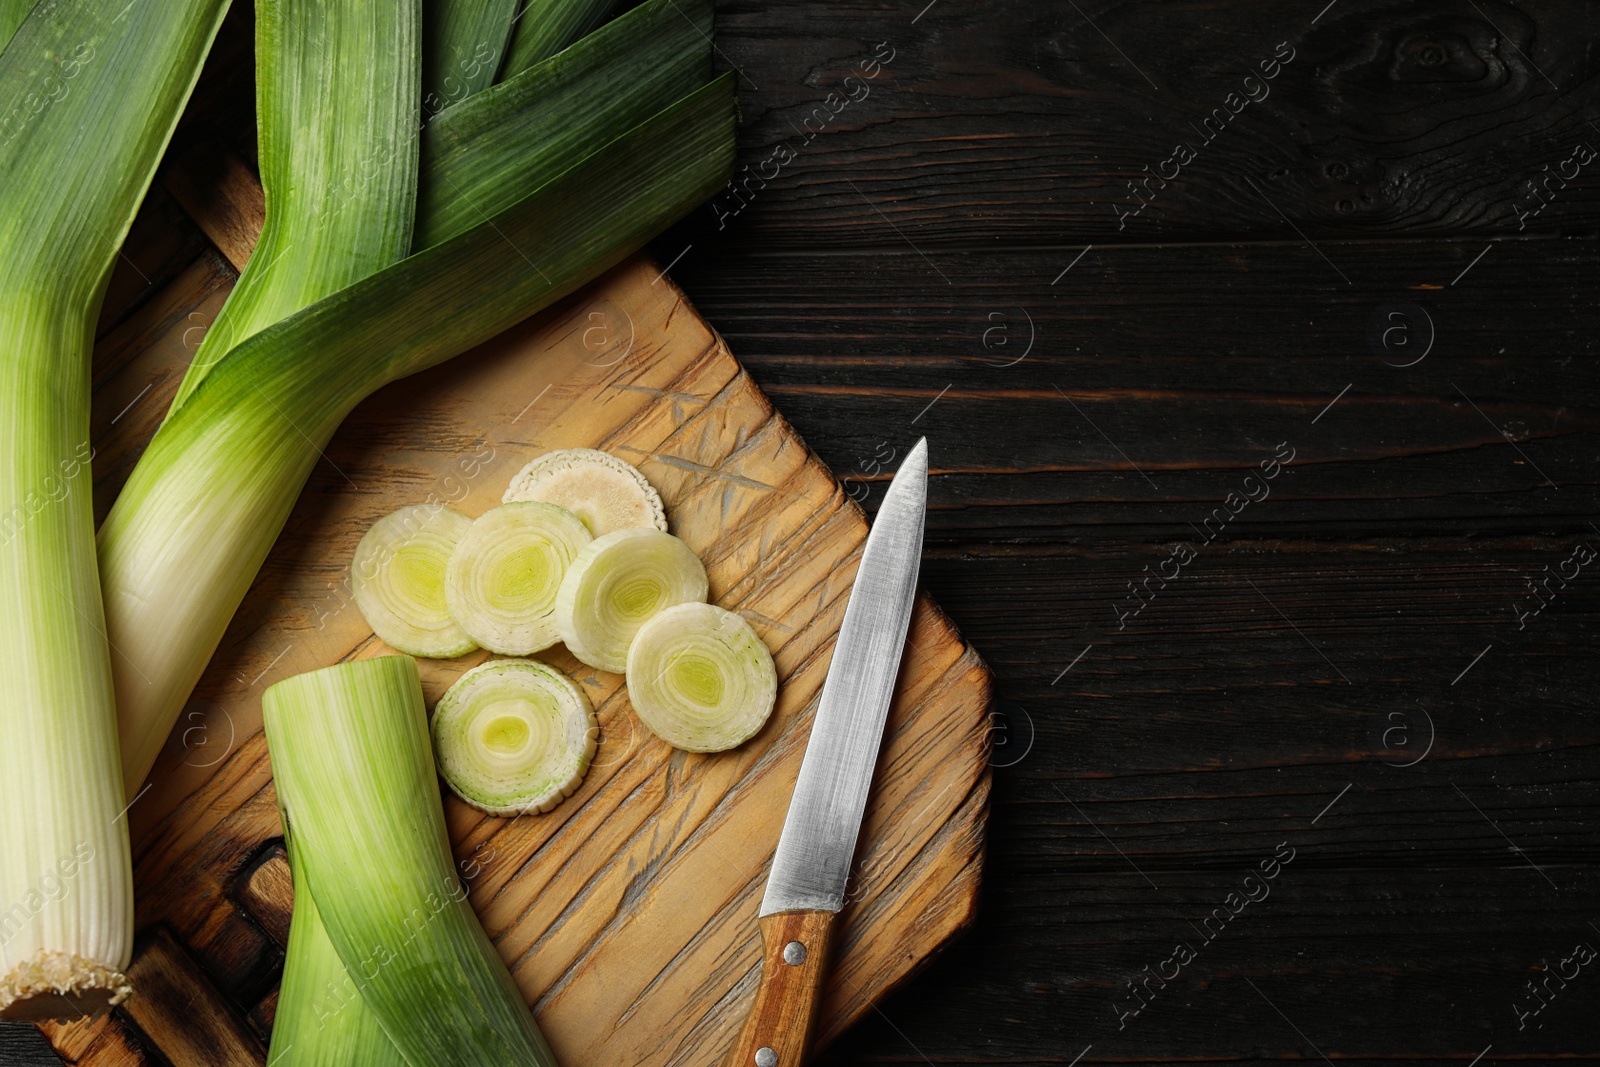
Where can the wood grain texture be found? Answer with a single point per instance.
(795, 948)
(998, 126)
(628, 914)
(181, 1013)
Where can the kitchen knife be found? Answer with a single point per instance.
(806, 886)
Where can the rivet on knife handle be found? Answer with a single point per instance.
(794, 966)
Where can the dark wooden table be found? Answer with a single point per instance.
(1205, 667)
(1272, 501)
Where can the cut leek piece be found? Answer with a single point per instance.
(359, 796)
(503, 577)
(700, 678)
(397, 578)
(89, 96)
(607, 493)
(513, 736)
(616, 585)
(188, 532)
(321, 1020)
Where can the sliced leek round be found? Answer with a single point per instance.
(700, 678)
(514, 735)
(502, 579)
(602, 490)
(616, 585)
(397, 577)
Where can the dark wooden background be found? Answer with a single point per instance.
(904, 275)
(1346, 670)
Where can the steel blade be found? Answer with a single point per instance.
(812, 862)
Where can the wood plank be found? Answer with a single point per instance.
(182, 1013)
(1321, 949)
(1145, 384)
(1021, 125)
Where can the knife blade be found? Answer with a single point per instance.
(806, 885)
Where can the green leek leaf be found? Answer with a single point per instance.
(545, 27)
(336, 95)
(477, 156)
(464, 46)
(12, 12)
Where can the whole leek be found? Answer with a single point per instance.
(84, 117)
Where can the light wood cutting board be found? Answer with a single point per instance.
(628, 913)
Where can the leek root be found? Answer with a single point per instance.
(605, 492)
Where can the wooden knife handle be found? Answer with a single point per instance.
(794, 963)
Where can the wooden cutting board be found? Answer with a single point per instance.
(628, 913)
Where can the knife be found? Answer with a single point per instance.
(805, 888)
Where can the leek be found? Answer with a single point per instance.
(605, 492)
(618, 583)
(478, 157)
(336, 94)
(700, 678)
(397, 578)
(84, 117)
(545, 27)
(177, 554)
(12, 12)
(514, 736)
(464, 47)
(321, 1019)
(503, 577)
(359, 797)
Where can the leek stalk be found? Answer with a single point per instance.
(359, 795)
(84, 117)
(321, 1020)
